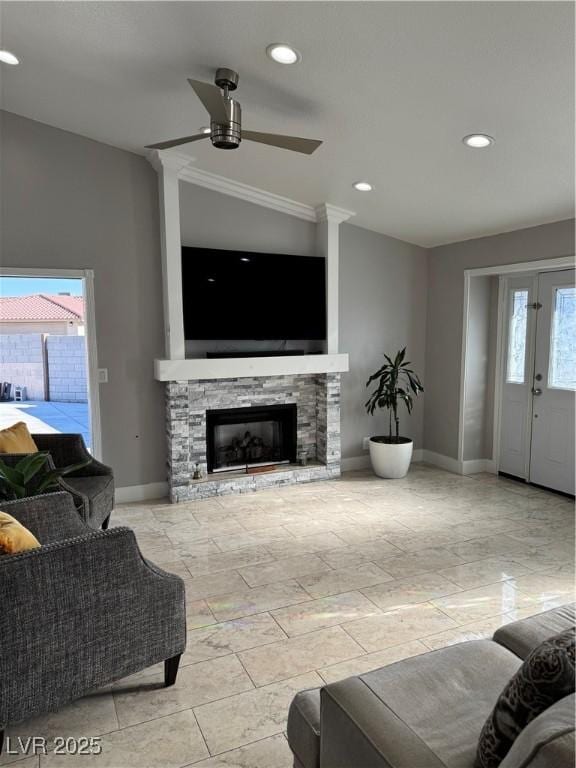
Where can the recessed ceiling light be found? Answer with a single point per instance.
(8, 58)
(211, 280)
(244, 258)
(363, 186)
(205, 129)
(478, 140)
(283, 54)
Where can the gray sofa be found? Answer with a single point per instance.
(92, 486)
(427, 711)
(81, 611)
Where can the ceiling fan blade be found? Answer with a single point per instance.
(294, 143)
(177, 142)
(211, 97)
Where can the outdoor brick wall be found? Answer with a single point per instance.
(21, 363)
(67, 380)
(317, 398)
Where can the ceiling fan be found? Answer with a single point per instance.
(226, 120)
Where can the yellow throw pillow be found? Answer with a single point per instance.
(14, 537)
(17, 439)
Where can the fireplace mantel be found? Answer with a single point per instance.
(242, 367)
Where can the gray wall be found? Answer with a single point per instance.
(211, 220)
(445, 314)
(480, 368)
(382, 308)
(70, 202)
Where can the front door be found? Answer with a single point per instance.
(554, 383)
(539, 380)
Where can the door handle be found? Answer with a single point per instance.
(536, 391)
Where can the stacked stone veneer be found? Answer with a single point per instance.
(317, 399)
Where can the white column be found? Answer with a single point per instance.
(328, 219)
(168, 166)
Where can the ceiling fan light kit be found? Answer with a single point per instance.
(226, 120)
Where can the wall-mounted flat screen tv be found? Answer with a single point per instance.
(258, 296)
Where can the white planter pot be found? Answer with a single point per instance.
(390, 460)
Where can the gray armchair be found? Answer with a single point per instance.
(92, 486)
(81, 611)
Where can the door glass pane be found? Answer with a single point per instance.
(562, 373)
(517, 337)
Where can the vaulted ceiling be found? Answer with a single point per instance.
(391, 87)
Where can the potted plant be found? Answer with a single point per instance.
(396, 383)
(32, 475)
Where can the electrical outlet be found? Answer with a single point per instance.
(366, 443)
(102, 375)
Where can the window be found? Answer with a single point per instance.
(517, 337)
(562, 371)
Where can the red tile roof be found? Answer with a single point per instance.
(41, 307)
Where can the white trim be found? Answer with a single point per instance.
(168, 166)
(497, 399)
(140, 493)
(92, 362)
(354, 463)
(463, 366)
(245, 192)
(87, 277)
(444, 462)
(474, 466)
(41, 272)
(417, 455)
(542, 265)
(331, 213)
(242, 367)
(329, 218)
(470, 467)
(250, 194)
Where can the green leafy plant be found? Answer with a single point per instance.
(397, 383)
(30, 477)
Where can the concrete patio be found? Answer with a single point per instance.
(48, 417)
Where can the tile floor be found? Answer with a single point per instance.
(295, 587)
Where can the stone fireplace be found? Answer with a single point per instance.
(204, 412)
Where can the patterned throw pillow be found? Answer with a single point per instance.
(545, 677)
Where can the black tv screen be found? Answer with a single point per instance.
(258, 296)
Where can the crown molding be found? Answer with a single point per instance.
(182, 165)
(161, 159)
(245, 192)
(331, 213)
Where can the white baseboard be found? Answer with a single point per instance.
(363, 462)
(150, 491)
(470, 467)
(355, 462)
(444, 462)
(478, 465)
(141, 492)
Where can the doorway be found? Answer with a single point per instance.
(538, 379)
(48, 373)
